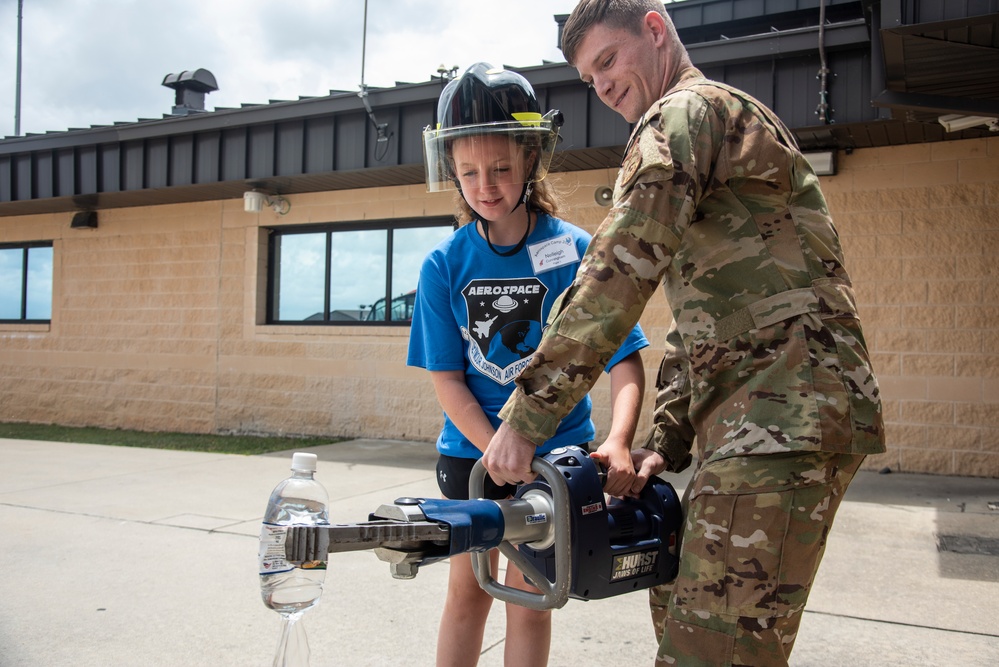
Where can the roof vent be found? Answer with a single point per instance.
(191, 87)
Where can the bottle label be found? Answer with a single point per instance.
(272, 556)
(271, 553)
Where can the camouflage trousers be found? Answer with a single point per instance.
(756, 528)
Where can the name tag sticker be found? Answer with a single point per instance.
(553, 253)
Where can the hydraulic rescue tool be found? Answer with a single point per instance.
(573, 540)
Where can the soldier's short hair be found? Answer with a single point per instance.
(624, 14)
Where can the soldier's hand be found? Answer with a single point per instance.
(647, 463)
(509, 456)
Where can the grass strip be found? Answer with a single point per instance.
(191, 442)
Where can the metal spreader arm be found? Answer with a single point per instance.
(553, 595)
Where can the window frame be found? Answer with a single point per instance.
(24, 247)
(329, 229)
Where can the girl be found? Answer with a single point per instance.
(483, 298)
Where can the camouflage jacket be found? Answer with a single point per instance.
(714, 200)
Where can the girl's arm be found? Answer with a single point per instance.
(627, 379)
(461, 407)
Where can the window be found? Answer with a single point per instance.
(26, 282)
(349, 273)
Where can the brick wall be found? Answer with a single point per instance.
(920, 228)
(157, 315)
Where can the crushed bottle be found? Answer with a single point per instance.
(287, 588)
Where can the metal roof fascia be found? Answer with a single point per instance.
(787, 43)
(937, 103)
(223, 119)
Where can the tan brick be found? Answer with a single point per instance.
(952, 150)
(873, 269)
(943, 222)
(991, 194)
(954, 437)
(977, 267)
(976, 414)
(906, 154)
(977, 317)
(989, 440)
(876, 177)
(890, 364)
(935, 461)
(903, 292)
(903, 199)
(921, 174)
(977, 464)
(866, 293)
(936, 267)
(960, 389)
(886, 317)
(859, 201)
(926, 412)
(890, 409)
(901, 434)
(990, 390)
(904, 340)
(954, 292)
(931, 365)
(928, 317)
(953, 340)
(980, 170)
(860, 246)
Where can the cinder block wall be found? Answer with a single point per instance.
(920, 226)
(158, 315)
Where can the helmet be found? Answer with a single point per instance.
(486, 100)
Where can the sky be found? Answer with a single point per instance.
(98, 62)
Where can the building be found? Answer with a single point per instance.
(171, 300)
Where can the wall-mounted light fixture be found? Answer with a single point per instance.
(255, 200)
(84, 220)
(603, 195)
(954, 122)
(823, 162)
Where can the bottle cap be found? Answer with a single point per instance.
(304, 461)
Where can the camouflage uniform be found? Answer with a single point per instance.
(766, 364)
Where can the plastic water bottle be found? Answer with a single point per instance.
(288, 589)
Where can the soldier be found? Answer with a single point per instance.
(766, 366)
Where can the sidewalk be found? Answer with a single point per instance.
(121, 556)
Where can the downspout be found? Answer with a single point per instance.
(823, 111)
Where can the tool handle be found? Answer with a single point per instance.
(553, 595)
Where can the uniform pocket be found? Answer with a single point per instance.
(756, 529)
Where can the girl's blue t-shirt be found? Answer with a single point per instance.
(484, 314)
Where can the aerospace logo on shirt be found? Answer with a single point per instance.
(504, 325)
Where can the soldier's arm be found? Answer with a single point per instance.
(624, 264)
(672, 434)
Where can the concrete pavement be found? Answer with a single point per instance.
(122, 556)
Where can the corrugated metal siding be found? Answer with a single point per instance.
(42, 177)
(207, 151)
(349, 148)
(927, 11)
(157, 163)
(233, 155)
(65, 173)
(290, 148)
(319, 141)
(88, 170)
(109, 157)
(181, 161)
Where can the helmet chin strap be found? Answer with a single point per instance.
(524, 197)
